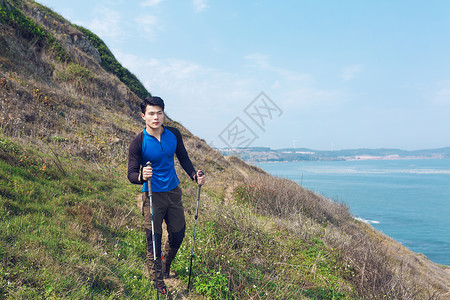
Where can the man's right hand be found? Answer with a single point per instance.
(147, 172)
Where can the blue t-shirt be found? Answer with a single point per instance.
(161, 155)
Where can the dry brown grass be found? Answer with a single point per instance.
(380, 267)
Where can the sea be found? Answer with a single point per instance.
(406, 199)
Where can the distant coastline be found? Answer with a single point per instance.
(394, 157)
(266, 154)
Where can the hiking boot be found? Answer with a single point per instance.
(155, 271)
(162, 289)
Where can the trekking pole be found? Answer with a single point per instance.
(195, 228)
(153, 232)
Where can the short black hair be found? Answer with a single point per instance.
(152, 101)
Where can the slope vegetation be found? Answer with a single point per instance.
(70, 226)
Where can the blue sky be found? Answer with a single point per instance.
(334, 74)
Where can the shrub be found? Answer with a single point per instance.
(281, 197)
(78, 76)
(30, 30)
(110, 64)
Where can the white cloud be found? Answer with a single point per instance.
(151, 3)
(308, 98)
(348, 73)
(200, 5)
(148, 24)
(296, 90)
(196, 94)
(107, 24)
(442, 96)
(182, 79)
(262, 64)
(258, 60)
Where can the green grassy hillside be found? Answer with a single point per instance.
(71, 225)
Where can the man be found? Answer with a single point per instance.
(151, 159)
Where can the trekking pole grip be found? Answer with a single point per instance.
(200, 174)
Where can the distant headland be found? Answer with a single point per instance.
(266, 154)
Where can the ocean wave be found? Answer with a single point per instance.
(421, 171)
(380, 171)
(367, 221)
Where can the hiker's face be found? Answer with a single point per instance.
(153, 117)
